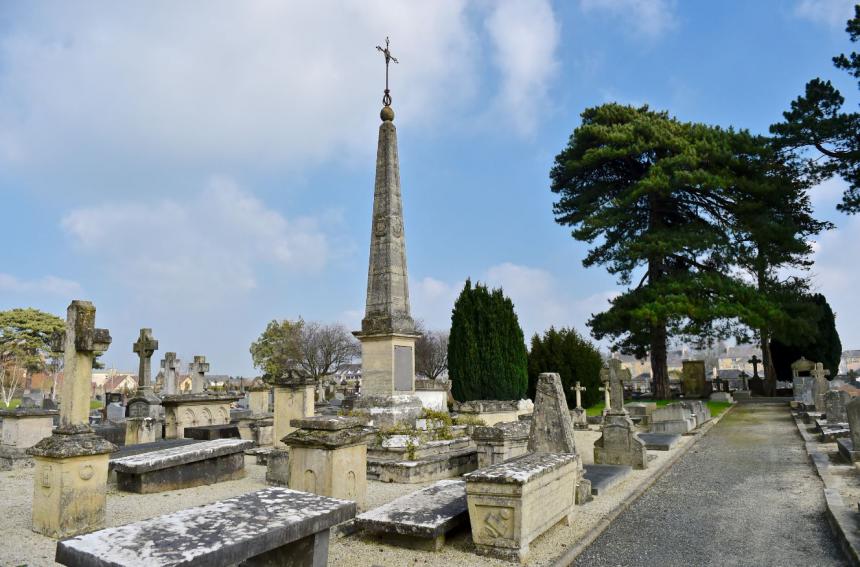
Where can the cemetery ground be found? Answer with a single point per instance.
(28, 548)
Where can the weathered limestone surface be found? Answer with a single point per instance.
(294, 399)
(144, 403)
(604, 477)
(659, 441)
(23, 428)
(388, 411)
(433, 393)
(620, 444)
(274, 526)
(640, 412)
(672, 418)
(169, 366)
(820, 385)
(501, 442)
(551, 428)
(141, 430)
(186, 466)
(72, 464)
(189, 410)
(328, 456)
(835, 406)
(422, 518)
(212, 432)
(699, 409)
(512, 503)
(492, 412)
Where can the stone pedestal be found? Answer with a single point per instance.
(294, 399)
(258, 401)
(579, 418)
(144, 404)
(141, 430)
(620, 444)
(328, 456)
(257, 429)
(188, 410)
(23, 428)
(70, 482)
(278, 467)
(502, 442)
(389, 411)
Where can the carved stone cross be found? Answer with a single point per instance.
(81, 342)
(579, 389)
(819, 371)
(198, 370)
(145, 347)
(169, 366)
(616, 386)
(755, 361)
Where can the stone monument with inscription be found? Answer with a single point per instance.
(578, 414)
(388, 332)
(72, 464)
(144, 414)
(619, 444)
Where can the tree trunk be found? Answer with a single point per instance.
(659, 367)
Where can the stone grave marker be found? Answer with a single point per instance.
(170, 366)
(198, 370)
(821, 385)
(835, 402)
(619, 444)
(72, 464)
(578, 414)
(693, 378)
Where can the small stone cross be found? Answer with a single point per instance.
(606, 401)
(81, 341)
(145, 347)
(755, 361)
(169, 365)
(579, 389)
(819, 372)
(198, 370)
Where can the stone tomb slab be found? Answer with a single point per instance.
(604, 477)
(830, 433)
(512, 503)
(846, 449)
(274, 526)
(206, 462)
(420, 519)
(660, 441)
(212, 432)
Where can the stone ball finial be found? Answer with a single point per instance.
(387, 114)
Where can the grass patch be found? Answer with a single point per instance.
(718, 407)
(95, 404)
(12, 404)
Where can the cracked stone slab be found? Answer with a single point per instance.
(426, 513)
(215, 535)
(174, 456)
(522, 469)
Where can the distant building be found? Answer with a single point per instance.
(850, 360)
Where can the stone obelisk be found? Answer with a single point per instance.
(387, 331)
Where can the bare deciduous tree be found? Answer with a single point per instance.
(431, 352)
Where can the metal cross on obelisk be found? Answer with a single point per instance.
(386, 98)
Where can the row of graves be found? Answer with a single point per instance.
(507, 472)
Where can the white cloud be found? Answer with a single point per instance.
(196, 249)
(525, 36)
(648, 18)
(830, 12)
(539, 300)
(52, 285)
(264, 80)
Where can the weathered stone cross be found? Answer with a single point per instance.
(80, 343)
(755, 362)
(607, 403)
(616, 387)
(145, 347)
(579, 389)
(198, 370)
(820, 372)
(169, 365)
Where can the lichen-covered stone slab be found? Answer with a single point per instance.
(427, 513)
(522, 469)
(328, 422)
(175, 456)
(215, 535)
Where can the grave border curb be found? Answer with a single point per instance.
(842, 520)
(570, 555)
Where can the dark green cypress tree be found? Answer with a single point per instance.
(487, 358)
(818, 340)
(574, 357)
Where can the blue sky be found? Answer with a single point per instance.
(204, 167)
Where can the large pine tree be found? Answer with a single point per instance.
(653, 197)
(487, 358)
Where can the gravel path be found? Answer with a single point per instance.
(746, 494)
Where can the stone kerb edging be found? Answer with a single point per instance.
(576, 550)
(842, 519)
